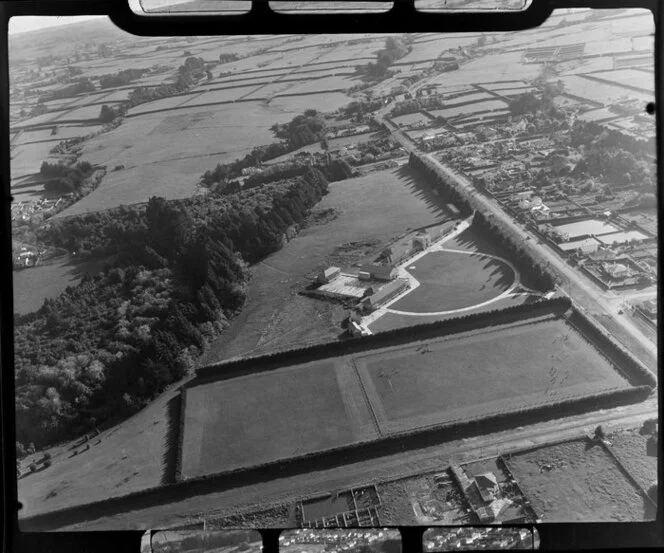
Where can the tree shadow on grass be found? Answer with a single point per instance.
(170, 457)
(425, 193)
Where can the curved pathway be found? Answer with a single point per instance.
(414, 283)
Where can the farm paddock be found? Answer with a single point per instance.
(578, 481)
(247, 418)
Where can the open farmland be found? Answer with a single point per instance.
(167, 152)
(452, 280)
(583, 484)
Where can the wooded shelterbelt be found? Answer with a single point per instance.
(101, 350)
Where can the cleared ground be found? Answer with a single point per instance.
(451, 280)
(630, 446)
(482, 372)
(266, 417)
(584, 484)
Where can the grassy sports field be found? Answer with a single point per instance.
(482, 372)
(270, 416)
(451, 280)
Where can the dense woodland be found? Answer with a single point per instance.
(102, 349)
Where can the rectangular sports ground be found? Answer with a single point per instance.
(286, 412)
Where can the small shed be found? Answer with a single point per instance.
(326, 275)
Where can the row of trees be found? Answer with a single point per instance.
(531, 264)
(187, 75)
(122, 78)
(80, 86)
(104, 348)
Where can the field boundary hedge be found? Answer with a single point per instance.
(335, 456)
(180, 437)
(610, 348)
(248, 365)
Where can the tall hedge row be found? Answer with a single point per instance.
(529, 261)
(612, 349)
(384, 339)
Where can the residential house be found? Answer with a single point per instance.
(384, 294)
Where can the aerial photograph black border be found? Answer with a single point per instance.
(262, 20)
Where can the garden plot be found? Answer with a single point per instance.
(482, 372)
(578, 481)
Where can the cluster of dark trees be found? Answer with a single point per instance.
(302, 130)
(80, 86)
(541, 100)
(108, 114)
(102, 349)
(121, 78)
(417, 104)
(225, 58)
(613, 156)
(70, 72)
(356, 108)
(65, 178)
(533, 269)
(395, 48)
(187, 75)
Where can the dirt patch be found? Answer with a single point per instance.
(577, 481)
(630, 447)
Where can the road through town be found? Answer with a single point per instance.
(580, 288)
